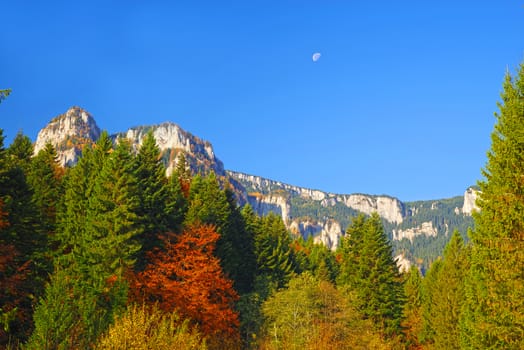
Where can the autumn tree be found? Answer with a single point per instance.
(312, 314)
(493, 315)
(210, 204)
(144, 327)
(186, 277)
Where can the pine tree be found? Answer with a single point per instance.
(97, 234)
(372, 274)
(443, 305)
(23, 243)
(155, 212)
(273, 252)
(46, 180)
(494, 309)
(412, 322)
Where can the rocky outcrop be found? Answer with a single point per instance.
(426, 228)
(171, 139)
(327, 232)
(69, 133)
(389, 208)
(403, 264)
(272, 203)
(470, 201)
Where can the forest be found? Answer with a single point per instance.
(113, 254)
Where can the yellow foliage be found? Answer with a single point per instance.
(143, 327)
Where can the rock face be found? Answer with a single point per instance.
(426, 229)
(403, 264)
(272, 203)
(69, 133)
(327, 232)
(306, 212)
(171, 139)
(470, 198)
(391, 209)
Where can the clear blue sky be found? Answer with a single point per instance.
(401, 101)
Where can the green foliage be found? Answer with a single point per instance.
(23, 243)
(368, 269)
(412, 322)
(493, 314)
(273, 252)
(155, 210)
(148, 328)
(313, 314)
(97, 245)
(444, 295)
(4, 93)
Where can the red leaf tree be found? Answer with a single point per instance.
(185, 276)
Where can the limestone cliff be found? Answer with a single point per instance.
(306, 212)
(470, 201)
(171, 139)
(389, 208)
(69, 133)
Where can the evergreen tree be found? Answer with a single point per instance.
(494, 309)
(23, 243)
(372, 274)
(273, 252)
(97, 232)
(444, 302)
(155, 212)
(412, 322)
(46, 180)
(21, 150)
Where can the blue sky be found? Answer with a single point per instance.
(401, 101)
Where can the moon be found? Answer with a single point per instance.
(316, 56)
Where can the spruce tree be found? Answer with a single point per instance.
(372, 274)
(493, 315)
(444, 302)
(97, 232)
(156, 214)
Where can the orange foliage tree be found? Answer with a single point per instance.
(186, 277)
(15, 306)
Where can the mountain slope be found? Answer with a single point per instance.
(418, 230)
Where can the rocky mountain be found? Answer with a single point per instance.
(70, 132)
(418, 230)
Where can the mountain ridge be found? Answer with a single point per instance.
(306, 212)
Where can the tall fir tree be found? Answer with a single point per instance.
(155, 212)
(23, 243)
(372, 274)
(98, 228)
(493, 315)
(443, 304)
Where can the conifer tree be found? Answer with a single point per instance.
(493, 316)
(46, 180)
(444, 300)
(97, 233)
(155, 211)
(273, 252)
(372, 274)
(23, 243)
(412, 322)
